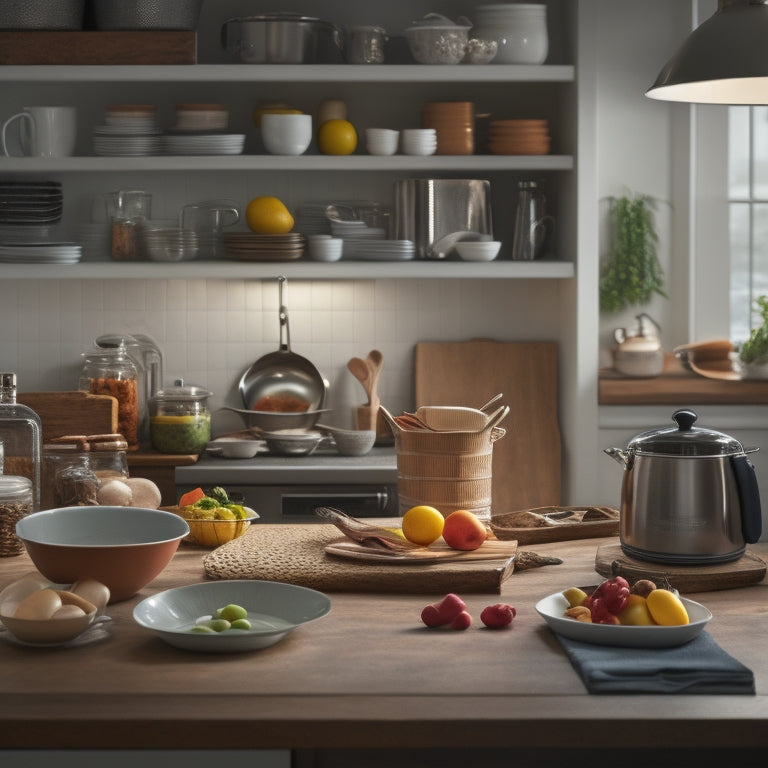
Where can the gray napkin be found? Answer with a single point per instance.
(699, 666)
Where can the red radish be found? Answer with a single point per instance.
(444, 612)
(498, 615)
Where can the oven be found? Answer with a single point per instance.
(286, 489)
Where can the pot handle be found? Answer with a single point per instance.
(749, 496)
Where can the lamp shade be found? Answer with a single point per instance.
(723, 61)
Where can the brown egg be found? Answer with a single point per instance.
(39, 605)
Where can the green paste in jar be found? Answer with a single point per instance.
(180, 434)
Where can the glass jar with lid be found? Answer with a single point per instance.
(179, 419)
(16, 501)
(111, 371)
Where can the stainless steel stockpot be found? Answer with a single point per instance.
(689, 495)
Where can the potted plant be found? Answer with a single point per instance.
(753, 353)
(632, 273)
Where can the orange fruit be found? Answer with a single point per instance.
(337, 137)
(268, 216)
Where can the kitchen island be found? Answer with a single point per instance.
(370, 676)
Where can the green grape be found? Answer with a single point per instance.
(201, 629)
(218, 625)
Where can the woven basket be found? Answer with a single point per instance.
(446, 470)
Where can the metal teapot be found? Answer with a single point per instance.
(689, 495)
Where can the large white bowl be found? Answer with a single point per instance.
(122, 547)
(274, 610)
(286, 134)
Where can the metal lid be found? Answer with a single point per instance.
(685, 440)
(180, 391)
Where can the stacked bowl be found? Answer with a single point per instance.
(454, 125)
(519, 137)
(165, 240)
(418, 141)
(201, 117)
(286, 134)
(381, 141)
(520, 30)
(325, 247)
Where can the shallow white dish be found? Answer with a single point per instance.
(235, 447)
(552, 608)
(274, 609)
(478, 250)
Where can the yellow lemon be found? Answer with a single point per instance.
(422, 525)
(268, 216)
(337, 137)
(667, 608)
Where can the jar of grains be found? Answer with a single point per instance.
(16, 501)
(113, 372)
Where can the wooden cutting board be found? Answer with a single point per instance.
(72, 413)
(527, 461)
(749, 569)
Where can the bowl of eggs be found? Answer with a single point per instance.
(37, 612)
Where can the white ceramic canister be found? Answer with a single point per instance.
(520, 30)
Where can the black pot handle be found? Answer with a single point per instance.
(749, 497)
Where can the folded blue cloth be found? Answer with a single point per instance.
(699, 666)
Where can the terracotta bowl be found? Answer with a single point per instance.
(122, 547)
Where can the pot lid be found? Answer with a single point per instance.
(685, 440)
(181, 391)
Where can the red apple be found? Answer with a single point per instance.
(463, 530)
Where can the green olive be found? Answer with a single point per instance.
(232, 612)
(201, 629)
(241, 624)
(218, 625)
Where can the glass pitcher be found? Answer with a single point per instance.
(534, 229)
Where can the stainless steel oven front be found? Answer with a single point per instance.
(287, 489)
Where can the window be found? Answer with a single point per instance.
(748, 213)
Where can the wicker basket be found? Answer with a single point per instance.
(446, 470)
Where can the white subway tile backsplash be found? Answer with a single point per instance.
(210, 331)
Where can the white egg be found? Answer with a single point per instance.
(71, 598)
(69, 612)
(144, 492)
(40, 605)
(115, 493)
(13, 593)
(93, 591)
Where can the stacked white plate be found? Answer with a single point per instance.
(202, 143)
(128, 130)
(378, 250)
(30, 203)
(40, 253)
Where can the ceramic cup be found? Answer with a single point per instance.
(286, 134)
(44, 131)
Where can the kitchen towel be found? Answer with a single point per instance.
(699, 666)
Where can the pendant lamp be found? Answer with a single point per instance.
(723, 61)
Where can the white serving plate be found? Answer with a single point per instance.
(552, 608)
(274, 609)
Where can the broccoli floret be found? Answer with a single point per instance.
(219, 494)
(206, 503)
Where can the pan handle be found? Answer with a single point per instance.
(285, 346)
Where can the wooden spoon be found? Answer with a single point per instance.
(361, 371)
(374, 361)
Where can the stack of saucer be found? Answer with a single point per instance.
(129, 129)
(249, 246)
(519, 137)
(454, 123)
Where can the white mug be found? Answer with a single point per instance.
(44, 131)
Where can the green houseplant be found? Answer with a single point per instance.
(632, 274)
(754, 351)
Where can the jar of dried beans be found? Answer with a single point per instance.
(113, 372)
(16, 501)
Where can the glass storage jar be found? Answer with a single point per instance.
(179, 419)
(111, 371)
(16, 501)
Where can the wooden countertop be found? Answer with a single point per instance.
(369, 675)
(678, 386)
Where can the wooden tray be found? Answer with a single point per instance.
(544, 524)
(749, 569)
(490, 550)
(98, 47)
